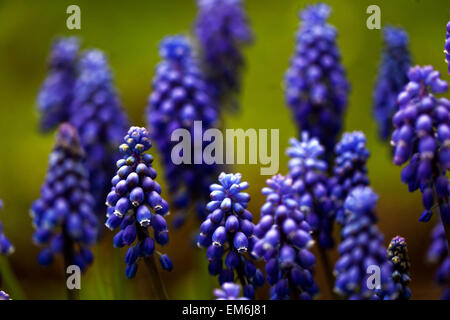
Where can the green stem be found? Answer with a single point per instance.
(72, 294)
(156, 282)
(11, 283)
(326, 266)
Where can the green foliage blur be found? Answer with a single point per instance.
(129, 33)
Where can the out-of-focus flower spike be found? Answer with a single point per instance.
(229, 291)
(6, 248)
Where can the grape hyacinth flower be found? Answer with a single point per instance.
(392, 77)
(229, 291)
(309, 173)
(6, 247)
(349, 169)
(398, 254)
(4, 296)
(422, 138)
(447, 46)
(316, 88)
(227, 233)
(180, 100)
(361, 249)
(222, 31)
(63, 216)
(438, 254)
(100, 121)
(135, 204)
(284, 242)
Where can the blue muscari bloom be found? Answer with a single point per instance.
(316, 88)
(222, 30)
(99, 119)
(63, 216)
(349, 169)
(135, 203)
(227, 233)
(56, 93)
(284, 242)
(6, 247)
(309, 173)
(229, 291)
(181, 96)
(392, 76)
(438, 254)
(422, 138)
(361, 247)
(4, 296)
(447, 46)
(398, 255)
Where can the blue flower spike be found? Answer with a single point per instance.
(398, 254)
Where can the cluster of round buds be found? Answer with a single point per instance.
(181, 97)
(438, 254)
(56, 92)
(222, 30)
(63, 216)
(422, 136)
(4, 296)
(398, 254)
(349, 169)
(228, 232)
(392, 76)
(361, 250)
(6, 247)
(135, 203)
(100, 121)
(229, 291)
(447, 46)
(316, 88)
(284, 242)
(309, 173)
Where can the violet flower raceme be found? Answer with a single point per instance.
(438, 254)
(447, 46)
(181, 100)
(398, 254)
(361, 250)
(349, 169)
(229, 291)
(228, 232)
(284, 242)
(6, 247)
(4, 296)
(392, 76)
(222, 31)
(422, 137)
(100, 121)
(135, 204)
(309, 172)
(316, 88)
(63, 216)
(56, 93)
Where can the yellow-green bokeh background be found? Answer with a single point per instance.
(129, 33)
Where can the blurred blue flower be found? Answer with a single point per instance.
(6, 247)
(447, 46)
(4, 296)
(438, 254)
(229, 291)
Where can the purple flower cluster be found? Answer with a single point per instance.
(181, 96)
(4, 296)
(222, 30)
(361, 249)
(447, 46)
(229, 291)
(228, 231)
(316, 88)
(135, 203)
(438, 254)
(309, 173)
(349, 169)
(392, 76)
(422, 136)
(6, 247)
(284, 242)
(56, 93)
(398, 254)
(63, 216)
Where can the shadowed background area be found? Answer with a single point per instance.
(129, 33)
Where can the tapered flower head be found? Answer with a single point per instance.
(227, 233)
(63, 216)
(229, 291)
(284, 242)
(179, 99)
(422, 138)
(438, 254)
(56, 93)
(316, 88)
(309, 172)
(6, 247)
(135, 205)
(392, 76)
(398, 254)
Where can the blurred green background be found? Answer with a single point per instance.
(129, 33)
